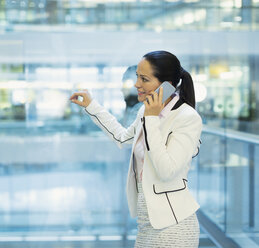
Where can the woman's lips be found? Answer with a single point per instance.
(141, 93)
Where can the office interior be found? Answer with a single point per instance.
(62, 181)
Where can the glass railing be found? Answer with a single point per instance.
(227, 187)
(58, 186)
(63, 185)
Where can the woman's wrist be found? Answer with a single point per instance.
(87, 103)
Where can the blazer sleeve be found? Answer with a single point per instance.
(171, 158)
(109, 124)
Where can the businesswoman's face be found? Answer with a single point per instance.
(146, 81)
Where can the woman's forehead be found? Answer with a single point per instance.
(145, 68)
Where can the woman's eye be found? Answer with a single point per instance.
(144, 80)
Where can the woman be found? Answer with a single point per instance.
(165, 137)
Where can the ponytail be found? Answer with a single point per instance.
(187, 89)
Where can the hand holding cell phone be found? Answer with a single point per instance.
(156, 102)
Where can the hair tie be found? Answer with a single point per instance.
(179, 84)
(181, 76)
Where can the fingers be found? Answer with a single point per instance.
(153, 97)
(146, 104)
(85, 98)
(149, 100)
(75, 95)
(160, 94)
(153, 103)
(78, 102)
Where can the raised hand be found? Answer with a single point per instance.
(86, 98)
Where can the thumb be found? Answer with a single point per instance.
(77, 102)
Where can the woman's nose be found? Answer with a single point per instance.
(137, 84)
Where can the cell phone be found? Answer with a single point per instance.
(168, 90)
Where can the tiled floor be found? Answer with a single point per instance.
(204, 243)
(74, 245)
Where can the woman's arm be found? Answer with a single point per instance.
(169, 159)
(108, 123)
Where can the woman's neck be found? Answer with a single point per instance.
(169, 99)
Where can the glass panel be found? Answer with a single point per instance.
(60, 175)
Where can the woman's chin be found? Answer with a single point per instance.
(141, 98)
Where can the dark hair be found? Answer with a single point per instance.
(167, 67)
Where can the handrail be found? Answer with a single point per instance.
(233, 134)
(214, 233)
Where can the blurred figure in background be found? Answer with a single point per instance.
(130, 94)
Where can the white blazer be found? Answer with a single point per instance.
(170, 145)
